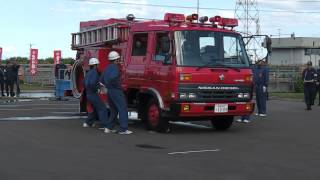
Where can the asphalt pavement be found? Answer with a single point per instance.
(42, 139)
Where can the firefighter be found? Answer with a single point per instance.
(9, 76)
(15, 69)
(309, 86)
(318, 85)
(116, 97)
(92, 86)
(2, 71)
(260, 75)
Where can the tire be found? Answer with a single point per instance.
(153, 119)
(222, 123)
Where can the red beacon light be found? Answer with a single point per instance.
(224, 22)
(192, 17)
(176, 18)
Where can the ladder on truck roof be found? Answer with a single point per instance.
(99, 36)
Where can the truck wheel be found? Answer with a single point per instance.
(222, 123)
(152, 117)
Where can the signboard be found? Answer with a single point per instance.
(57, 56)
(33, 64)
(0, 53)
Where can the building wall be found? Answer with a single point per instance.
(292, 57)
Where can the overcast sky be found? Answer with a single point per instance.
(48, 24)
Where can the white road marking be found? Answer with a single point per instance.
(42, 118)
(21, 109)
(191, 125)
(65, 112)
(16, 105)
(197, 151)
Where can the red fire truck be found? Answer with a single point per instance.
(181, 68)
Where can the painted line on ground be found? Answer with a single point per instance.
(19, 105)
(195, 151)
(42, 118)
(191, 125)
(21, 109)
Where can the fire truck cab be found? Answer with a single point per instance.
(176, 69)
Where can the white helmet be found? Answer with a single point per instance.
(113, 55)
(93, 61)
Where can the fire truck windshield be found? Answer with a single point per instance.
(210, 49)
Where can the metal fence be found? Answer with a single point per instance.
(45, 75)
(283, 78)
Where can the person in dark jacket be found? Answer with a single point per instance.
(309, 86)
(116, 98)
(16, 81)
(2, 72)
(261, 78)
(318, 85)
(92, 86)
(9, 76)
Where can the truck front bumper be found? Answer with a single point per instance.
(209, 110)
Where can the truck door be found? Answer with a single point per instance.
(160, 68)
(136, 68)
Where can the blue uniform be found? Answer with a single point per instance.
(261, 78)
(309, 87)
(91, 81)
(2, 69)
(318, 85)
(116, 97)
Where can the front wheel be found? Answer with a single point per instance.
(153, 119)
(222, 123)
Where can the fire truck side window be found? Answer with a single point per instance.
(140, 44)
(162, 48)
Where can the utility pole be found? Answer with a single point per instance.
(198, 4)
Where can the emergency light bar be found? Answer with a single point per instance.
(224, 22)
(203, 19)
(171, 17)
(192, 17)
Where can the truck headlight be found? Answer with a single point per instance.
(246, 95)
(192, 96)
(183, 95)
(240, 95)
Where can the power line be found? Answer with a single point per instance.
(195, 8)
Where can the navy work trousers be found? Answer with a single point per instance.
(91, 118)
(261, 99)
(2, 85)
(309, 90)
(100, 108)
(117, 105)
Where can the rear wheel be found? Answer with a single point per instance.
(222, 123)
(153, 119)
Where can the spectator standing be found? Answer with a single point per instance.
(318, 85)
(309, 86)
(9, 76)
(261, 78)
(15, 78)
(2, 80)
